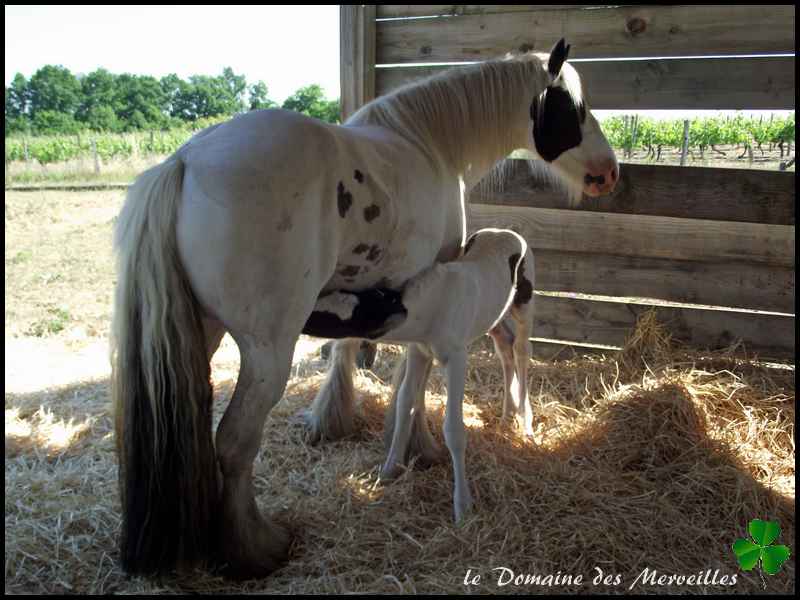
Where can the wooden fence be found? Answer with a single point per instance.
(695, 238)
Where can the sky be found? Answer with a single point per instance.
(286, 47)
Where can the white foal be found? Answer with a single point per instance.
(488, 289)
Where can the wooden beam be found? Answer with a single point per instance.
(705, 83)
(642, 235)
(395, 11)
(357, 56)
(619, 32)
(728, 284)
(746, 195)
(610, 323)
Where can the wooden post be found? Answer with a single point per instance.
(685, 148)
(357, 56)
(96, 158)
(625, 121)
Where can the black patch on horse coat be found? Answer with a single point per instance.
(374, 253)
(379, 310)
(360, 249)
(556, 123)
(349, 271)
(358, 176)
(371, 213)
(524, 288)
(344, 199)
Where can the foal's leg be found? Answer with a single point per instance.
(251, 545)
(455, 363)
(331, 415)
(522, 355)
(418, 363)
(421, 442)
(503, 340)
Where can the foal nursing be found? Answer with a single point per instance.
(488, 289)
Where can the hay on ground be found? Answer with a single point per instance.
(652, 460)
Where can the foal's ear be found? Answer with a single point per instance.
(558, 55)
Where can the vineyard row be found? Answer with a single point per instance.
(624, 133)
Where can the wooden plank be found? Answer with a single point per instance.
(357, 56)
(620, 32)
(395, 11)
(609, 323)
(745, 195)
(706, 83)
(729, 284)
(642, 235)
(719, 83)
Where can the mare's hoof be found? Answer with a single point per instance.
(314, 431)
(256, 555)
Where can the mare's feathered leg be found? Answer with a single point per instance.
(331, 416)
(249, 544)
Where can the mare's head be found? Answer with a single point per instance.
(565, 135)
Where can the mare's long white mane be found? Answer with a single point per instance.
(464, 117)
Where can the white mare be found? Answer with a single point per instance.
(246, 226)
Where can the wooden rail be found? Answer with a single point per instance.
(702, 237)
(713, 83)
(616, 32)
(747, 195)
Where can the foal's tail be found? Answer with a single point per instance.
(160, 386)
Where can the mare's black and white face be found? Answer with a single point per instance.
(564, 133)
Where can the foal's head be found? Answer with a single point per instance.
(564, 134)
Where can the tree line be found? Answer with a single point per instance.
(55, 101)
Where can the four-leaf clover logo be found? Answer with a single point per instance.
(763, 534)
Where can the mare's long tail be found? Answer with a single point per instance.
(160, 386)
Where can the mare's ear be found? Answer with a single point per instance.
(558, 55)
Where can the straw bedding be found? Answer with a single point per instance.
(645, 463)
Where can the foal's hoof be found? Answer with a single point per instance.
(524, 426)
(462, 508)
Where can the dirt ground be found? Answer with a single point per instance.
(641, 461)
